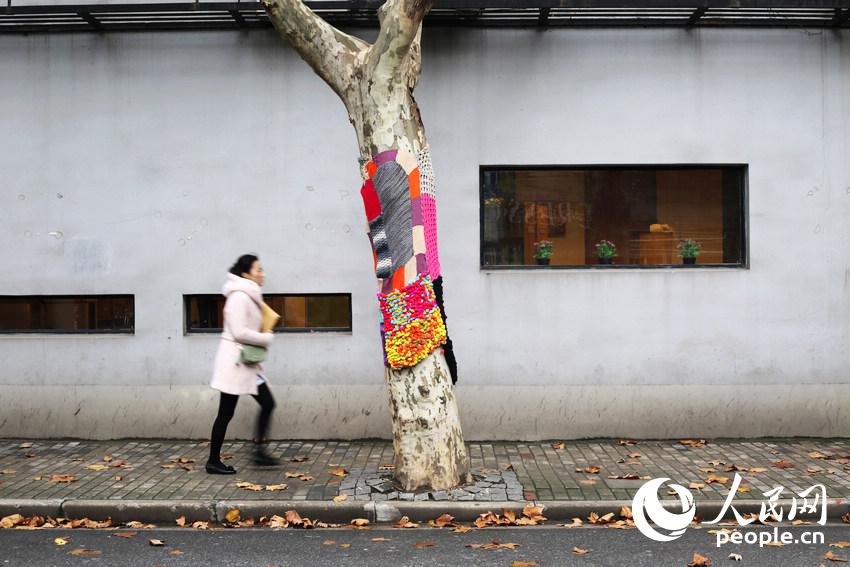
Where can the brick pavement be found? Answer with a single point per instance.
(503, 471)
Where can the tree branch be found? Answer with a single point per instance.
(331, 53)
(400, 26)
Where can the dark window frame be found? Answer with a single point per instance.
(743, 170)
(188, 330)
(129, 331)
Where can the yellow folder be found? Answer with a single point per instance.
(270, 319)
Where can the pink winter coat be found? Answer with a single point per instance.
(242, 319)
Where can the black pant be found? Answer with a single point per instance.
(226, 407)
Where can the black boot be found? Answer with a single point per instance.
(263, 459)
(219, 468)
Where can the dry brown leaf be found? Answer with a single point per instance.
(735, 557)
(175, 552)
(249, 486)
(345, 545)
(575, 523)
(559, 445)
(757, 470)
(405, 522)
(11, 521)
(359, 522)
(634, 455)
(117, 478)
(783, 464)
(340, 498)
(156, 542)
(275, 487)
(381, 539)
(201, 525)
(278, 522)
(626, 512)
(495, 544)
(25, 445)
(424, 544)
(181, 521)
(462, 530)
(699, 561)
(66, 478)
(846, 518)
(627, 442)
(125, 534)
(693, 443)
(713, 478)
(97, 467)
(82, 551)
(60, 541)
(443, 521)
(299, 459)
(592, 469)
(707, 469)
(7, 471)
(695, 486)
(579, 551)
(840, 544)
(329, 542)
(138, 525)
(830, 556)
(524, 564)
(774, 544)
(589, 481)
(595, 518)
(818, 455)
(338, 472)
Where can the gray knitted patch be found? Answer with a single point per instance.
(391, 185)
(383, 268)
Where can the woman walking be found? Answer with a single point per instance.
(232, 376)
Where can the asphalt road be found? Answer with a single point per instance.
(545, 545)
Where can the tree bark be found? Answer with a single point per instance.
(376, 83)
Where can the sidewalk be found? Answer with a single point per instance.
(160, 480)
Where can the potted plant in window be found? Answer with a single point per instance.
(543, 252)
(689, 250)
(606, 251)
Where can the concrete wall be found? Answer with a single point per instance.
(156, 159)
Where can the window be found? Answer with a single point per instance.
(298, 313)
(67, 314)
(645, 211)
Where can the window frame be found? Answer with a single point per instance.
(130, 331)
(743, 171)
(187, 330)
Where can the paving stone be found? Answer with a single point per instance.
(420, 496)
(405, 496)
(440, 495)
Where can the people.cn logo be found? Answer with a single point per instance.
(646, 507)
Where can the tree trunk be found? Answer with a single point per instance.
(376, 83)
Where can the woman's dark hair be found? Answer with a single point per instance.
(243, 265)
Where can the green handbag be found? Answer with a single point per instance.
(251, 354)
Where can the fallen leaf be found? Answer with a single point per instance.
(340, 498)
(575, 523)
(832, 557)
(818, 455)
(329, 542)
(125, 534)
(175, 552)
(462, 530)
(345, 545)
(60, 541)
(593, 469)
(735, 557)
(360, 522)
(588, 481)
(97, 467)
(846, 518)
(699, 561)
(156, 542)
(138, 525)
(757, 470)
(275, 487)
(559, 445)
(201, 525)
(7, 471)
(595, 518)
(627, 442)
(626, 512)
(424, 544)
(25, 445)
(66, 478)
(579, 551)
(712, 478)
(405, 522)
(299, 459)
(84, 552)
(524, 564)
(783, 464)
(693, 443)
(338, 472)
(840, 544)
(181, 521)
(117, 478)
(495, 544)
(381, 539)
(634, 455)
(249, 486)
(443, 521)
(695, 486)
(774, 544)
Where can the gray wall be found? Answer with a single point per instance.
(156, 159)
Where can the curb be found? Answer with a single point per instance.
(164, 512)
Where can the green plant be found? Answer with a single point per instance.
(689, 248)
(606, 249)
(543, 249)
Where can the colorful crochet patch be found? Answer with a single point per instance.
(412, 325)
